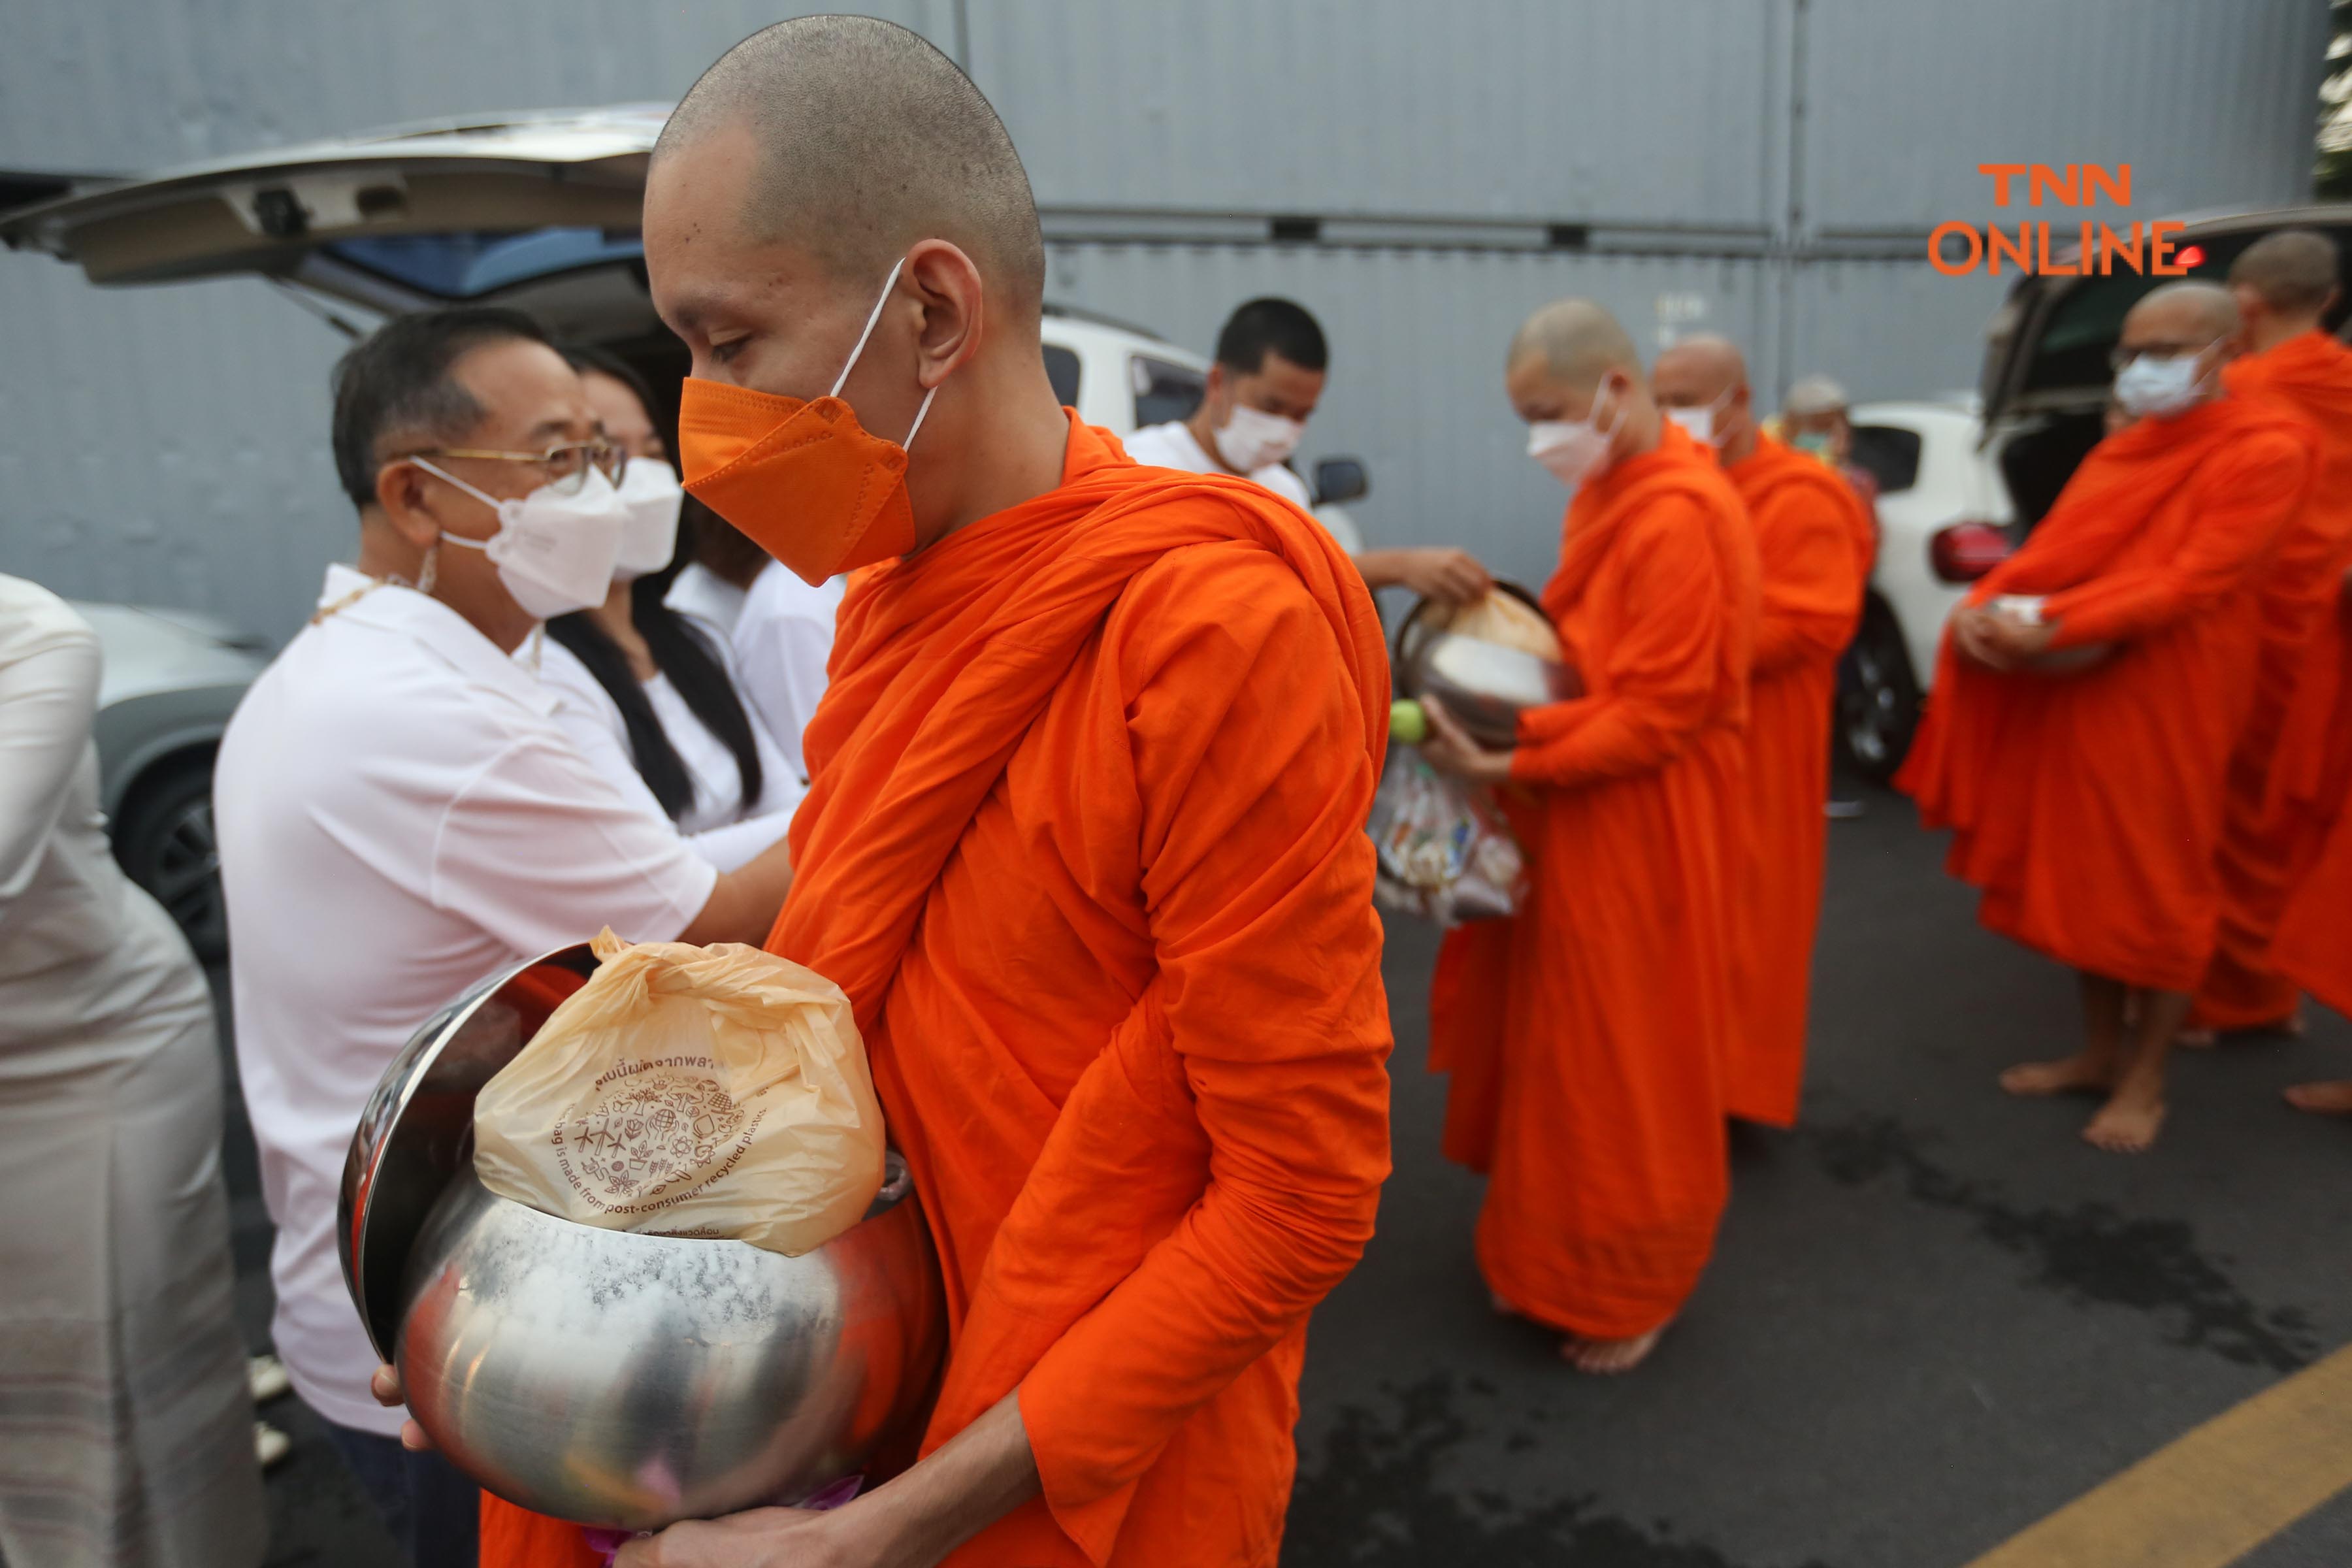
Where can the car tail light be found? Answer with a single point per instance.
(1966, 550)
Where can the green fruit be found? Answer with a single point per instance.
(1407, 723)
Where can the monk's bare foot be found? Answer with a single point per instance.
(2128, 1122)
(2074, 1075)
(2197, 1039)
(1606, 1358)
(2323, 1098)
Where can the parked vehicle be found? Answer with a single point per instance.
(538, 212)
(1943, 521)
(172, 679)
(2046, 374)
(535, 211)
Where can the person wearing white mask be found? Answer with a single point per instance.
(1587, 1037)
(1267, 378)
(401, 814)
(653, 698)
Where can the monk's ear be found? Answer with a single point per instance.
(949, 285)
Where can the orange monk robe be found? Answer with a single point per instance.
(2265, 837)
(2087, 807)
(2314, 945)
(1813, 537)
(1085, 846)
(1585, 1037)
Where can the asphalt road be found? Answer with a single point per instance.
(1934, 1316)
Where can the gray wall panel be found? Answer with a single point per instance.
(2212, 102)
(1508, 108)
(132, 84)
(167, 446)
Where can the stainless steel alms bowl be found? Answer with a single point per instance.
(1482, 685)
(619, 1380)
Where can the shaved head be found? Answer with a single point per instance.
(868, 140)
(1577, 341)
(2293, 271)
(2186, 307)
(1698, 369)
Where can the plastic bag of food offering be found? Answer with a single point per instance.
(1507, 619)
(1445, 851)
(703, 1091)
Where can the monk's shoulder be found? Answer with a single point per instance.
(1232, 595)
(1695, 510)
(2266, 441)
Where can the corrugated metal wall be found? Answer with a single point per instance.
(168, 445)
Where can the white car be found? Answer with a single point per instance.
(1943, 521)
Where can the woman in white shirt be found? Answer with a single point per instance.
(126, 1431)
(635, 671)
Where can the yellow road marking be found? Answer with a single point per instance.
(2213, 1494)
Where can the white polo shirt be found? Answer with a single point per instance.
(721, 826)
(399, 816)
(1172, 446)
(784, 642)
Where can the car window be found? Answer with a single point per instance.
(2088, 321)
(1164, 391)
(1062, 370)
(1890, 453)
(467, 265)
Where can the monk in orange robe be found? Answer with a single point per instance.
(1098, 887)
(2314, 948)
(2285, 284)
(1587, 1035)
(1815, 539)
(2090, 692)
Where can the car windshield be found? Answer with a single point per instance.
(2089, 320)
(470, 265)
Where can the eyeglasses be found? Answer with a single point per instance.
(2120, 356)
(566, 466)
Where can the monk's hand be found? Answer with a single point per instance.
(1451, 749)
(385, 1386)
(2019, 641)
(784, 1537)
(953, 1493)
(1447, 576)
(1972, 634)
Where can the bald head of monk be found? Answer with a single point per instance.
(814, 158)
(1569, 365)
(2174, 344)
(2285, 284)
(1702, 384)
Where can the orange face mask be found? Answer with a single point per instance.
(799, 477)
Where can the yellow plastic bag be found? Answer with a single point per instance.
(706, 1091)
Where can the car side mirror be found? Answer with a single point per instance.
(1341, 479)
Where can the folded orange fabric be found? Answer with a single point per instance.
(2087, 809)
(1814, 538)
(1587, 1036)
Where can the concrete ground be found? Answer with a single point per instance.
(1935, 1315)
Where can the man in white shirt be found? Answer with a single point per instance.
(1263, 389)
(400, 814)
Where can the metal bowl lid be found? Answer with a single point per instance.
(418, 1125)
